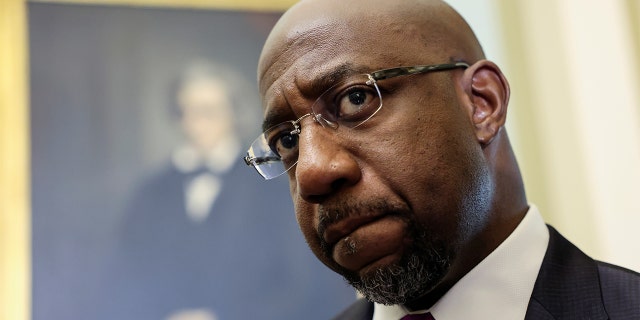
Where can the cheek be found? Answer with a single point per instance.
(306, 217)
(454, 181)
(434, 167)
(306, 221)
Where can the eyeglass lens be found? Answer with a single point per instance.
(349, 103)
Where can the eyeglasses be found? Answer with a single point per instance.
(349, 103)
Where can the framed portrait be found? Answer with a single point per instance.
(140, 204)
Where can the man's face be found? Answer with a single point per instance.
(391, 205)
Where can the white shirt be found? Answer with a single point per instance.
(499, 287)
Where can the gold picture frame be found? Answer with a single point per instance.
(15, 215)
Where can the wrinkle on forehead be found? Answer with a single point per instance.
(307, 89)
(390, 33)
(281, 51)
(320, 21)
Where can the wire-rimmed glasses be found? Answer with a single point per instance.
(350, 103)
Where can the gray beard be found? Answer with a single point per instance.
(423, 266)
(412, 277)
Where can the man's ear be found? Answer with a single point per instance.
(486, 98)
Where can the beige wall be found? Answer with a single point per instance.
(574, 68)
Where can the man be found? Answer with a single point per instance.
(388, 121)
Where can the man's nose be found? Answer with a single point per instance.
(324, 165)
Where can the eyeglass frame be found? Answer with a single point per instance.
(372, 77)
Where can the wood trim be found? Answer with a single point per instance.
(15, 253)
(253, 5)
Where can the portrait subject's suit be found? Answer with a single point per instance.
(246, 260)
(570, 285)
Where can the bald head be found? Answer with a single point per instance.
(421, 30)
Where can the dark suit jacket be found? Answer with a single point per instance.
(570, 285)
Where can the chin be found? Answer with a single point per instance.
(405, 280)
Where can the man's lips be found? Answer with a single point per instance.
(363, 235)
(362, 243)
(338, 230)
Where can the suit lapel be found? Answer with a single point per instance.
(567, 286)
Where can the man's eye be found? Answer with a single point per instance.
(284, 144)
(355, 103)
(288, 141)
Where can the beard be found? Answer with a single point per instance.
(423, 265)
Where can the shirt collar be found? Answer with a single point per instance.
(188, 159)
(500, 286)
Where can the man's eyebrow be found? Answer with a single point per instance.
(326, 80)
(275, 116)
(318, 85)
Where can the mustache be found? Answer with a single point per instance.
(330, 214)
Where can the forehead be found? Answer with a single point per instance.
(304, 55)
